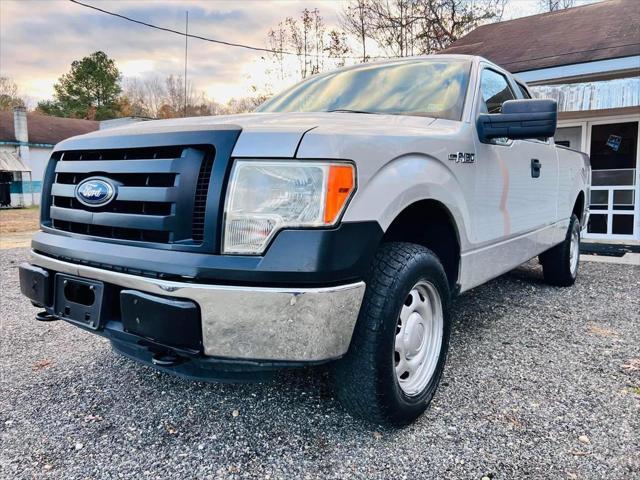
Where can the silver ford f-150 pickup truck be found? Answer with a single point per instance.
(335, 224)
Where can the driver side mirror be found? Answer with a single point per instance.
(520, 119)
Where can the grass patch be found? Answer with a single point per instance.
(19, 220)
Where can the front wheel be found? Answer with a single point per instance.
(399, 346)
(560, 264)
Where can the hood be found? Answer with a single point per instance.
(271, 134)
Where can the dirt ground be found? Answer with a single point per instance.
(17, 225)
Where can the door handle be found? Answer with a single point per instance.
(535, 168)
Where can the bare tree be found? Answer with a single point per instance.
(296, 39)
(144, 97)
(393, 26)
(399, 28)
(553, 5)
(317, 39)
(338, 47)
(356, 21)
(244, 104)
(155, 98)
(412, 27)
(133, 102)
(9, 95)
(305, 37)
(277, 41)
(175, 95)
(444, 21)
(154, 93)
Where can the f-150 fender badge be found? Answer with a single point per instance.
(462, 157)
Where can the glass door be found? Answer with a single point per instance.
(613, 149)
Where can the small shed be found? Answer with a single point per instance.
(13, 173)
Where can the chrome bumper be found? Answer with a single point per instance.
(253, 323)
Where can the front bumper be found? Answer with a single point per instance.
(293, 325)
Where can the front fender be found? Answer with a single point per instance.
(404, 181)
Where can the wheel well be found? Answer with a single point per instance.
(578, 207)
(429, 223)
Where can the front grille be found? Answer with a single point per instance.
(161, 193)
(145, 153)
(138, 208)
(128, 179)
(200, 201)
(113, 232)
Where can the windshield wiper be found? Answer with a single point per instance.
(346, 110)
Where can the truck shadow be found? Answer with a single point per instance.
(494, 298)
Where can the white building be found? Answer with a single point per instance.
(30, 138)
(588, 59)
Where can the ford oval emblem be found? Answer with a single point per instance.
(95, 192)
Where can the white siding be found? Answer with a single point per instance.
(576, 97)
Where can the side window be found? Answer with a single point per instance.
(524, 91)
(495, 90)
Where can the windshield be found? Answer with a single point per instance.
(434, 88)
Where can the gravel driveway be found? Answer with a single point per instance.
(541, 383)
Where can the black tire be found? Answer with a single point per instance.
(557, 263)
(365, 379)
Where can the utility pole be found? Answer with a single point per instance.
(186, 42)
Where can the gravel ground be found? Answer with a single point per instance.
(541, 383)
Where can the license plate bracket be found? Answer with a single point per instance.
(78, 300)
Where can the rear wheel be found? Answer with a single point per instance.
(399, 346)
(560, 264)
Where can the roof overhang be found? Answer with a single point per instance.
(10, 162)
(580, 72)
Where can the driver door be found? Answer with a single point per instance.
(513, 196)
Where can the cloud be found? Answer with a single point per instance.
(39, 40)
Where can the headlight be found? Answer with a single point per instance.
(264, 197)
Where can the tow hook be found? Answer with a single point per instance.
(45, 317)
(166, 359)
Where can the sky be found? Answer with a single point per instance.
(40, 38)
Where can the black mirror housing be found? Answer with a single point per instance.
(520, 119)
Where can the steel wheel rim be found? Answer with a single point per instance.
(418, 338)
(574, 251)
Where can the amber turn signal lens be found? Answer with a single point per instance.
(340, 184)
